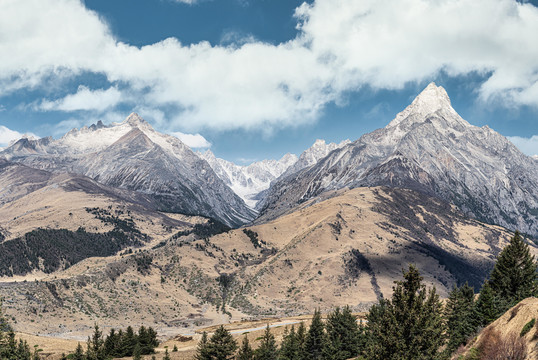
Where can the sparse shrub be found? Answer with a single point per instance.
(495, 347)
(528, 326)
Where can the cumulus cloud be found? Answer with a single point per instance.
(341, 46)
(85, 99)
(528, 146)
(7, 135)
(192, 140)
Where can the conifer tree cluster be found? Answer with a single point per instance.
(10, 348)
(118, 344)
(338, 338)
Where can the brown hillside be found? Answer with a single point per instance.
(347, 249)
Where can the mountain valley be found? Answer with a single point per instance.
(117, 224)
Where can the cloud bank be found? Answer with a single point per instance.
(341, 46)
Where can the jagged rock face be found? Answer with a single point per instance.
(249, 181)
(132, 155)
(430, 148)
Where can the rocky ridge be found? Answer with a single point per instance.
(132, 155)
(428, 147)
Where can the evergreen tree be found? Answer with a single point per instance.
(111, 344)
(96, 345)
(290, 349)
(79, 353)
(301, 340)
(409, 326)
(137, 352)
(343, 334)
(267, 349)
(514, 276)
(487, 307)
(459, 315)
(221, 346)
(245, 351)
(314, 343)
(202, 350)
(128, 342)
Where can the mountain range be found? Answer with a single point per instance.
(120, 216)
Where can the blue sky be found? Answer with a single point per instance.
(259, 78)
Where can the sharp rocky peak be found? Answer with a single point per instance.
(135, 120)
(431, 100)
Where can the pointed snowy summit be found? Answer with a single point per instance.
(433, 99)
(135, 120)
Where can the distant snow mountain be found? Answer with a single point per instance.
(428, 147)
(313, 154)
(132, 155)
(250, 182)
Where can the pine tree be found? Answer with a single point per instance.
(202, 350)
(459, 315)
(290, 349)
(245, 351)
(137, 352)
(267, 349)
(487, 307)
(409, 326)
(514, 276)
(314, 343)
(301, 340)
(221, 346)
(79, 353)
(343, 334)
(128, 342)
(96, 345)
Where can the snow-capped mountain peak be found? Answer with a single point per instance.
(431, 100)
(430, 148)
(249, 181)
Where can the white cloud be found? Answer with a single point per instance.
(85, 99)
(528, 146)
(7, 135)
(192, 140)
(342, 45)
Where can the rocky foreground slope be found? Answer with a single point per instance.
(505, 334)
(428, 147)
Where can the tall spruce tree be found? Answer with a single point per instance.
(202, 350)
(487, 307)
(290, 349)
(96, 349)
(459, 315)
(343, 334)
(267, 349)
(221, 346)
(245, 351)
(409, 326)
(514, 276)
(315, 338)
(79, 353)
